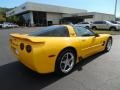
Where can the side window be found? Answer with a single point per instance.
(80, 31)
(99, 22)
(104, 22)
(96, 22)
(85, 23)
(59, 32)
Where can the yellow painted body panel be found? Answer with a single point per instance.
(39, 59)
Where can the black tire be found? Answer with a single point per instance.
(112, 29)
(94, 28)
(107, 47)
(87, 27)
(61, 58)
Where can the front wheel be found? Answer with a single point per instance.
(65, 62)
(108, 45)
(94, 28)
(87, 27)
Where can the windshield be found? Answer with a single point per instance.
(114, 22)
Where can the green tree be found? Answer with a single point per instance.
(3, 14)
(2, 18)
(14, 19)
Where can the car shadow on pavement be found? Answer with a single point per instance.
(87, 60)
(15, 76)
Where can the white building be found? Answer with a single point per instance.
(90, 16)
(43, 14)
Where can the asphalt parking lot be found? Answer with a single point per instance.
(99, 72)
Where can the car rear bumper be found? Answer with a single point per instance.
(38, 60)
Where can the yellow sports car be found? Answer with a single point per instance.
(58, 48)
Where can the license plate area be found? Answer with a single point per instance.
(15, 50)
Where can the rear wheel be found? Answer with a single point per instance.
(112, 29)
(108, 45)
(65, 62)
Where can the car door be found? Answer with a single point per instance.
(101, 25)
(84, 24)
(85, 45)
(97, 44)
(89, 42)
(104, 25)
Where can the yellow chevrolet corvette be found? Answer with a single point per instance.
(57, 48)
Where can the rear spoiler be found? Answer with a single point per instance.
(26, 37)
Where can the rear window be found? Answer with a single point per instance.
(52, 31)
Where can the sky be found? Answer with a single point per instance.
(103, 6)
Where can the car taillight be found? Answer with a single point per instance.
(22, 46)
(28, 48)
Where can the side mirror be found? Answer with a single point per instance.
(96, 35)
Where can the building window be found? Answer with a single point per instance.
(23, 7)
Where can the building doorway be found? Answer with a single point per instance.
(39, 18)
